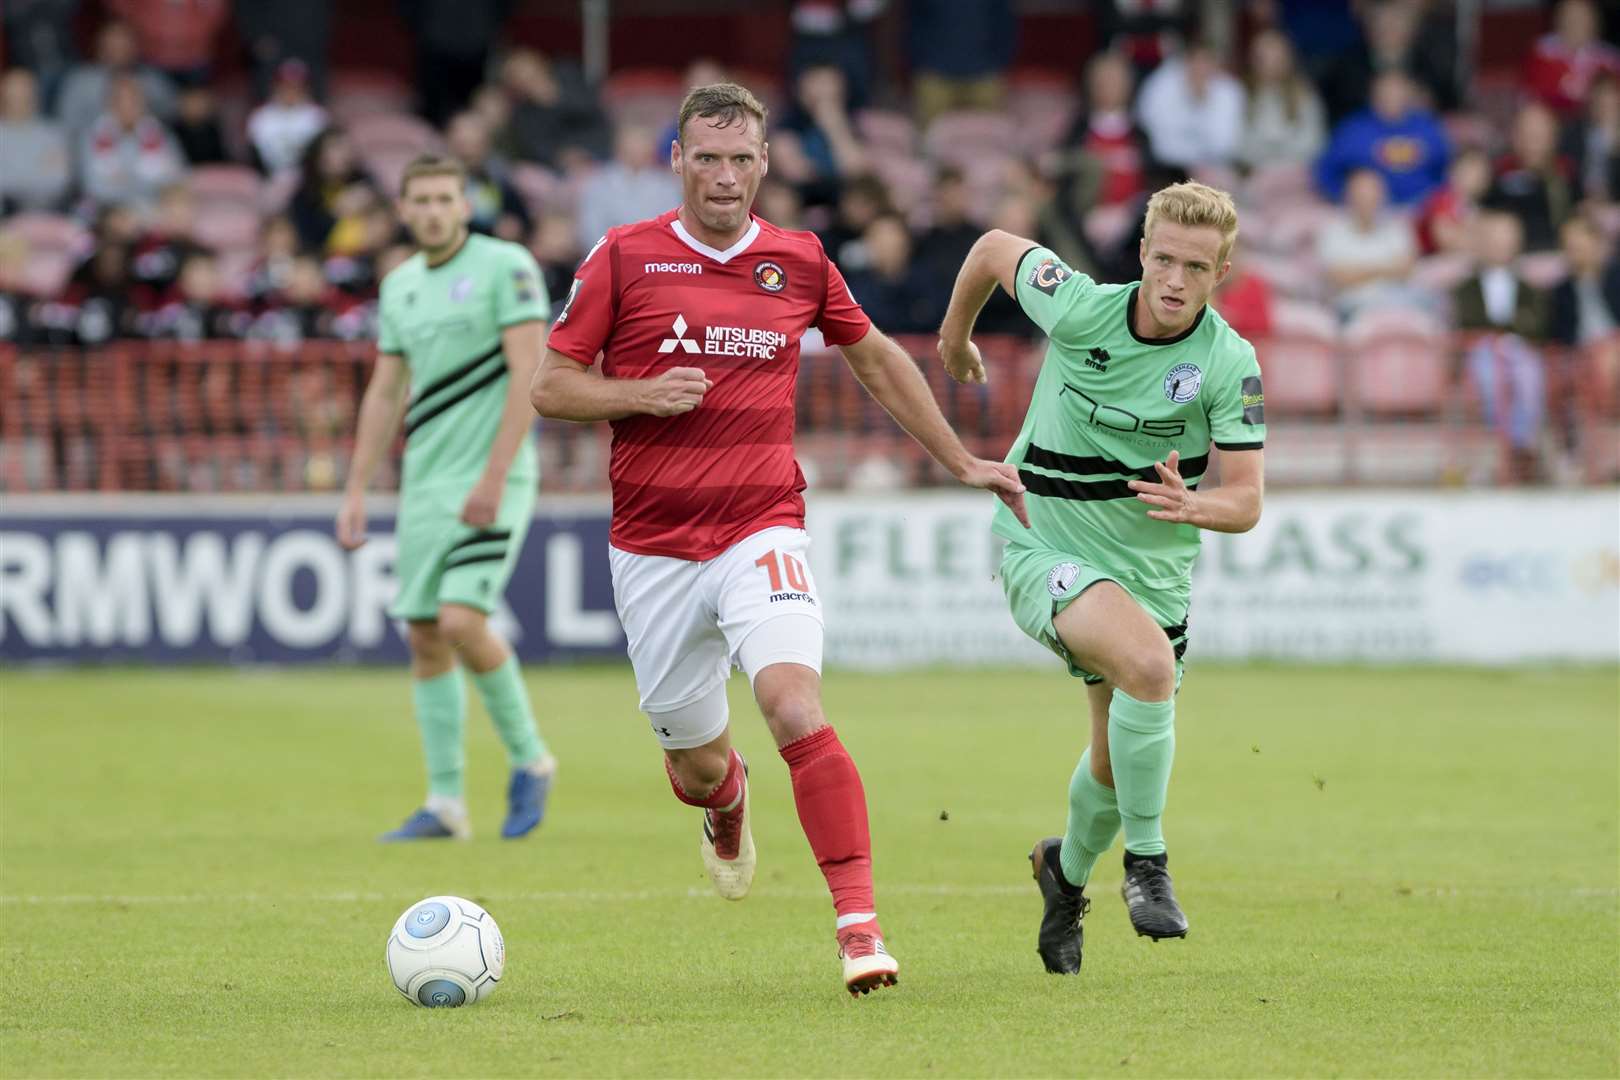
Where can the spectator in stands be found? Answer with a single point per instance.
(453, 39)
(555, 245)
(1104, 154)
(1504, 318)
(1367, 253)
(960, 51)
(779, 204)
(703, 71)
(637, 184)
(196, 127)
(96, 306)
(1396, 37)
(199, 311)
(863, 200)
(1584, 310)
(39, 36)
(819, 124)
(333, 195)
(1595, 144)
(281, 127)
(497, 208)
(15, 316)
(1144, 32)
(1534, 182)
(1564, 64)
(36, 170)
(286, 30)
(941, 250)
(1244, 299)
(1192, 110)
(1284, 121)
(177, 37)
(301, 308)
(351, 264)
(494, 108)
(84, 92)
(156, 256)
(1404, 141)
(127, 156)
(278, 248)
(836, 33)
(1447, 216)
(556, 119)
(893, 290)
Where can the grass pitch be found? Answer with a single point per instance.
(1390, 873)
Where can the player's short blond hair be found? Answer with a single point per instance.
(431, 165)
(1194, 205)
(728, 101)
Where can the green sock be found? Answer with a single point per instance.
(507, 701)
(1093, 823)
(1141, 745)
(441, 712)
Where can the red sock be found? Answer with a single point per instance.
(832, 809)
(722, 796)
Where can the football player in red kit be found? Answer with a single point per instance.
(696, 316)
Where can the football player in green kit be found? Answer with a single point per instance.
(463, 324)
(1139, 380)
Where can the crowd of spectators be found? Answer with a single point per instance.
(1370, 181)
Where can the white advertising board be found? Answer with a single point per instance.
(1387, 577)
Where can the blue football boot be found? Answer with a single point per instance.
(526, 797)
(427, 825)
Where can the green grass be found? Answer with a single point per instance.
(1390, 873)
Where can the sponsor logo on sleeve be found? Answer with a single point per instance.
(573, 291)
(1047, 275)
(1254, 400)
(770, 276)
(523, 285)
(1181, 383)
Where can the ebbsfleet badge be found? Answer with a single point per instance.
(1181, 383)
(1061, 578)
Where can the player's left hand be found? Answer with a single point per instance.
(1175, 500)
(1002, 479)
(483, 503)
(962, 360)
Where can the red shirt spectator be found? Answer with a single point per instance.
(1244, 301)
(175, 35)
(1564, 64)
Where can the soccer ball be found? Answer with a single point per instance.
(445, 951)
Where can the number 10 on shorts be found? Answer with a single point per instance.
(775, 565)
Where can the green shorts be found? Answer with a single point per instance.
(441, 560)
(1041, 582)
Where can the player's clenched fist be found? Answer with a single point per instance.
(678, 390)
(962, 361)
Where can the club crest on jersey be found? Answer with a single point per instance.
(460, 289)
(1181, 383)
(1048, 274)
(1061, 578)
(770, 276)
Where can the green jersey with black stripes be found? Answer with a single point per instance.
(1107, 405)
(446, 321)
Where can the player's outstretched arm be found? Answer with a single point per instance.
(381, 409)
(992, 261)
(565, 389)
(1232, 507)
(891, 376)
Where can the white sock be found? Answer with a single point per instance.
(447, 807)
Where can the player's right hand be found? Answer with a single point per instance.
(351, 522)
(676, 391)
(962, 361)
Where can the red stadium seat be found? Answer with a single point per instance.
(959, 137)
(1106, 226)
(887, 132)
(1293, 228)
(359, 93)
(1543, 269)
(1301, 374)
(46, 272)
(1043, 105)
(1442, 273)
(226, 183)
(46, 232)
(1291, 275)
(393, 133)
(908, 179)
(226, 227)
(645, 97)
(1400, 362)
(542, 190)
(1272, 186)
(1304, 318)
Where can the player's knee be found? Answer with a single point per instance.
(428, 643)
(792, 714)
(1148, 674)
(461, 625)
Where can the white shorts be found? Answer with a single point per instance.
(686, 622)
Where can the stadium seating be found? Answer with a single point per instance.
(962, 136)
(1400, 362)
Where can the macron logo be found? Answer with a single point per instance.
(671, 268)
(686, 344)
